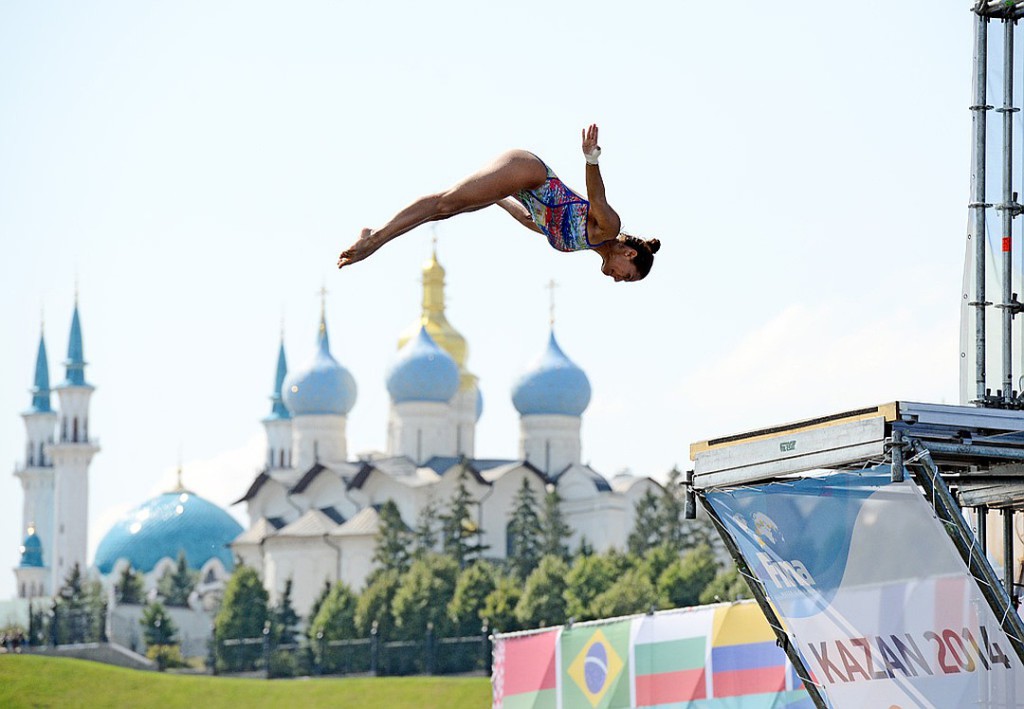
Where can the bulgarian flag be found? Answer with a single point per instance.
(524, 671)
(671, 652)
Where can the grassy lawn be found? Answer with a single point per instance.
(32, 681)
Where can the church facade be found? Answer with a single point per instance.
(313, 510)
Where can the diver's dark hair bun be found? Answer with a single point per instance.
(654, 245)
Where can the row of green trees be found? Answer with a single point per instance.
(433, 580)
(173, 588)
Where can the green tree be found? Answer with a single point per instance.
(243, 614)
(284, 619)
(161, 635)
(588, 578)
(543, 600)
(176, 586)
(728, 585)
(683, 582)
(423, 596)
(670, 512)
(647, 524)
(319, 600)
(500, 605)
(556, 532)
(158, 627)
(79, 610)
(393, 540)
(632, 592)
(375, 605)
(130, 587)
(472, 587)
(460, 534)
(334, 621)
(525, 534)
(425, 533)
(657, 559)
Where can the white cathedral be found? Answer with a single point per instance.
(313, 509)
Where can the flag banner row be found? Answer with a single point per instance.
(722, 656)
(872, 591)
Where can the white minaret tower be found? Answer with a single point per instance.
(36, 476)
(278, 424)
(71, 456)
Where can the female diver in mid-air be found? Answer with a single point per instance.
(520, 183)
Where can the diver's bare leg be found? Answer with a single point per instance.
(509, 173)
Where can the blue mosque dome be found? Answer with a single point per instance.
(555, 385)
(321, 387)
(479, 404)
(422, 371)
(171, 523)
(32, 550)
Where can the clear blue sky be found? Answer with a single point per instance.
(198, 166)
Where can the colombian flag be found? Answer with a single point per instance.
(744, 656)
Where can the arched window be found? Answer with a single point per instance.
(42, 458)
(281, 458)
(63, 429)
(28, 455)
(22, 590)
(74, 430)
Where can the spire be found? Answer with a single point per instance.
(551, 302)
(75, 362)
(279, 410)
(41, 386)
(322, 339)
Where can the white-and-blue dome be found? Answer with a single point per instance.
(174, 522)
(422, 371)
(321, 387)
(31, 551)
(555, 385)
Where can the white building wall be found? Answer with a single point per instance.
(420, 430)
(550, 442)
(279, 443)
(319, 437)
(308, 561)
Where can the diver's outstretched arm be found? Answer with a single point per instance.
(519, 213)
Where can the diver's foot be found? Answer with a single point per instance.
(365, 245)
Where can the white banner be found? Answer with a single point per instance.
(872, 592)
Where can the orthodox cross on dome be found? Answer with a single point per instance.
(551, 300)
(323, 306)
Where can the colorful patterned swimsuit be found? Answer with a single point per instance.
(559, 212)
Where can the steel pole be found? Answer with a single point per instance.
(978, 125)
(1007, 210)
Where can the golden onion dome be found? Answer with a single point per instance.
(437, 325)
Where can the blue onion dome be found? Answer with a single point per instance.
(554, 385)
(422, 371)
(171, 523)
(479, 404)
(32, 550)
(321, 387)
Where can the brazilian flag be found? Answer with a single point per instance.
(595, 665)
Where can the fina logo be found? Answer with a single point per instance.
(784, 574)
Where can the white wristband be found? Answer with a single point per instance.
(592, 156)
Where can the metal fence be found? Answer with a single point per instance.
(428, 655)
